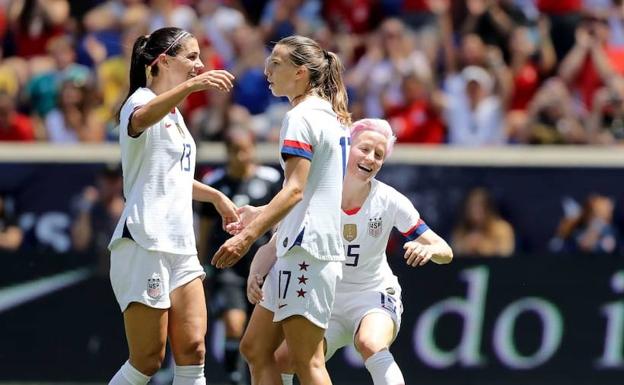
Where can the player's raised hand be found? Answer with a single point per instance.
(254, 289)
(246, 214)
(417, 254)
(215, 79)
(227, 210)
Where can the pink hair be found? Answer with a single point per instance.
(379, 126)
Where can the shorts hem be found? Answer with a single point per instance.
(188, 279)
(143, 301)
(306, 315)
(395, 321)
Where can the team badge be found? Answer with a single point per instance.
(154, 286)
(374, 226)
(349, 231)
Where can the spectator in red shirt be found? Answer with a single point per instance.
(565, 16)
(33, 23)
(592, 62)
(417, 120)
(529, 63)
(13, 125)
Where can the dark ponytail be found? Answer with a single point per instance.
(146, 50)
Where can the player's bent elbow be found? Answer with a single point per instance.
(295, 194)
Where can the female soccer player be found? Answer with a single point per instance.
(313, 148)
(155, 272)
(367, 310)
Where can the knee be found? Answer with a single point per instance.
(303, 365)
(367, 346)
(191, 353)
(250, 351)
(147, 363)
(283, 361)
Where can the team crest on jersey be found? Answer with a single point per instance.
(154, 286)
(374, 226)
(349, 231)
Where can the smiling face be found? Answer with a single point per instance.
(186, 63)
(281, 73)
(367, 155)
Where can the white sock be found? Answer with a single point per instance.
(189, 375)
(383, 369)
(287, 378)
(128, 375)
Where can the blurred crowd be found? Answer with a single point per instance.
(467, 73)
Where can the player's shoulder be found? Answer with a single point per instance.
(387, 194)
(214, 177)
(384, 190)
(268, 174)
(139, 97)
(142, 93)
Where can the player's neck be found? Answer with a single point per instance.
(354, 193)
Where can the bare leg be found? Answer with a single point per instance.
(146, 332)
(187, 324)
(305, 343)
(372, 340)
(258, 345)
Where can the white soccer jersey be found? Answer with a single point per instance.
(158, 172)
(311, 130)
(366, 232)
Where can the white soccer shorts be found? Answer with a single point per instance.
(351, 307)
(299, 284)
(149, 277)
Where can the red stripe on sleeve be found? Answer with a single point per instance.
(301, 145)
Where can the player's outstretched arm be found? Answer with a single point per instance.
(225, 207)
(297, 170)
(429, 246)
(156, 109)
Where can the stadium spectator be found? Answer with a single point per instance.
(43, 89)
(530, 62)
(13, 125)
(590, 231)
(605, 125)
(481, 231)
(493, 20)
(33, 24)
(281, 18)
(97, 211)
(11, 235)
(218, 22)
(591, 62)
(615, 15)
(377, 77)
(75, 120)
(564, 16)
(418, 119)
(210, 123)
(551, 117)
(473, 109)
(251, 90)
